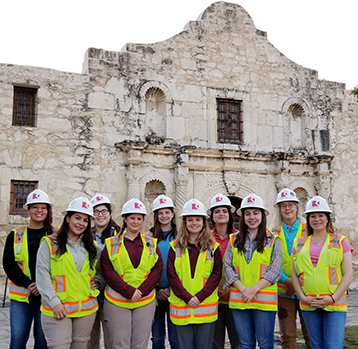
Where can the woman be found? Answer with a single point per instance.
(65, 268)
(104, 227)
(222, 219)
(165, 231)
(19, 262)
(288, 229)
(321, 274)
(253, 264)
(194, 272)
(132, 266)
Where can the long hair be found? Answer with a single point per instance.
(260, 237)
(157, 230)
(87, 239)
(204, 241)
(124, 226)
(230, 223)
(48, 220)
(329, 228)
(107, 231)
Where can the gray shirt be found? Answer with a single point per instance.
(43, 269)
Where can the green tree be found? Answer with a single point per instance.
(355, 93)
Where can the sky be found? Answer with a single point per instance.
(317, 34)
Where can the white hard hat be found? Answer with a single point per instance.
(220, 200)
(100, 199)
(133, 206)
(162, 201)
(194, 208)
(81, 205)
(252, 201)
(37, 197)
(317, 204)
(286, 195)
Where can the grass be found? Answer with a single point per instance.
(350, 337)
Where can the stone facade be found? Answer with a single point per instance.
(143, 121)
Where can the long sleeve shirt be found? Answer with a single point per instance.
(134, 249)
(290, 234)
(11, 268)
(43, 269)
(211, 284)
(272, 273)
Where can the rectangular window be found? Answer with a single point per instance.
(230, 123)
(18, 195)
(24, 107)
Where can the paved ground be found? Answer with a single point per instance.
(352, 320)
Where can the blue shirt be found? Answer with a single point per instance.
(290, 234)
(163, 246)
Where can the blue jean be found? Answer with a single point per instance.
(158, 327)
(325, 328)
(254, 324)
(21, 316)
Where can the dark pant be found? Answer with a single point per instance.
(21, 316)
(195, 336)
(225, 319)
(287, 312)
(158, 327)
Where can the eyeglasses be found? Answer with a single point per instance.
(103, 212)
(38, 208)
(287, 206)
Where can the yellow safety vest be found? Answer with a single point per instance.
(21, 253)
(287, 258)
(73, 288)
(250, 274)
(323, 279)
(180, 313)
(122, 264)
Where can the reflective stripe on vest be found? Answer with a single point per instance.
(72, 288)
(21, 254)
(250, 274)
(287, 259)
(122, 264)
(323, 279)
(207, 311)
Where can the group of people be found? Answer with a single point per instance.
(191, 282)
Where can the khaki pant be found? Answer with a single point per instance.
(94, 342)
(68, 333)
(287, 312)
(129, 328)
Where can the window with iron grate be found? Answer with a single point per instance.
(24, 107)
(230, 121)
(18, 195)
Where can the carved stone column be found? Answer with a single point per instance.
(181, 179)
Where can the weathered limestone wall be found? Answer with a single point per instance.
(143, 121)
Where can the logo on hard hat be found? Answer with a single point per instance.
(162, 200)
(250, 199)
(36, 196)
(283, 194)
(315, 203)
(195, 206)
(137, 205)
(99, 198)
(292, 193)
(219, 198)
(85, 204)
